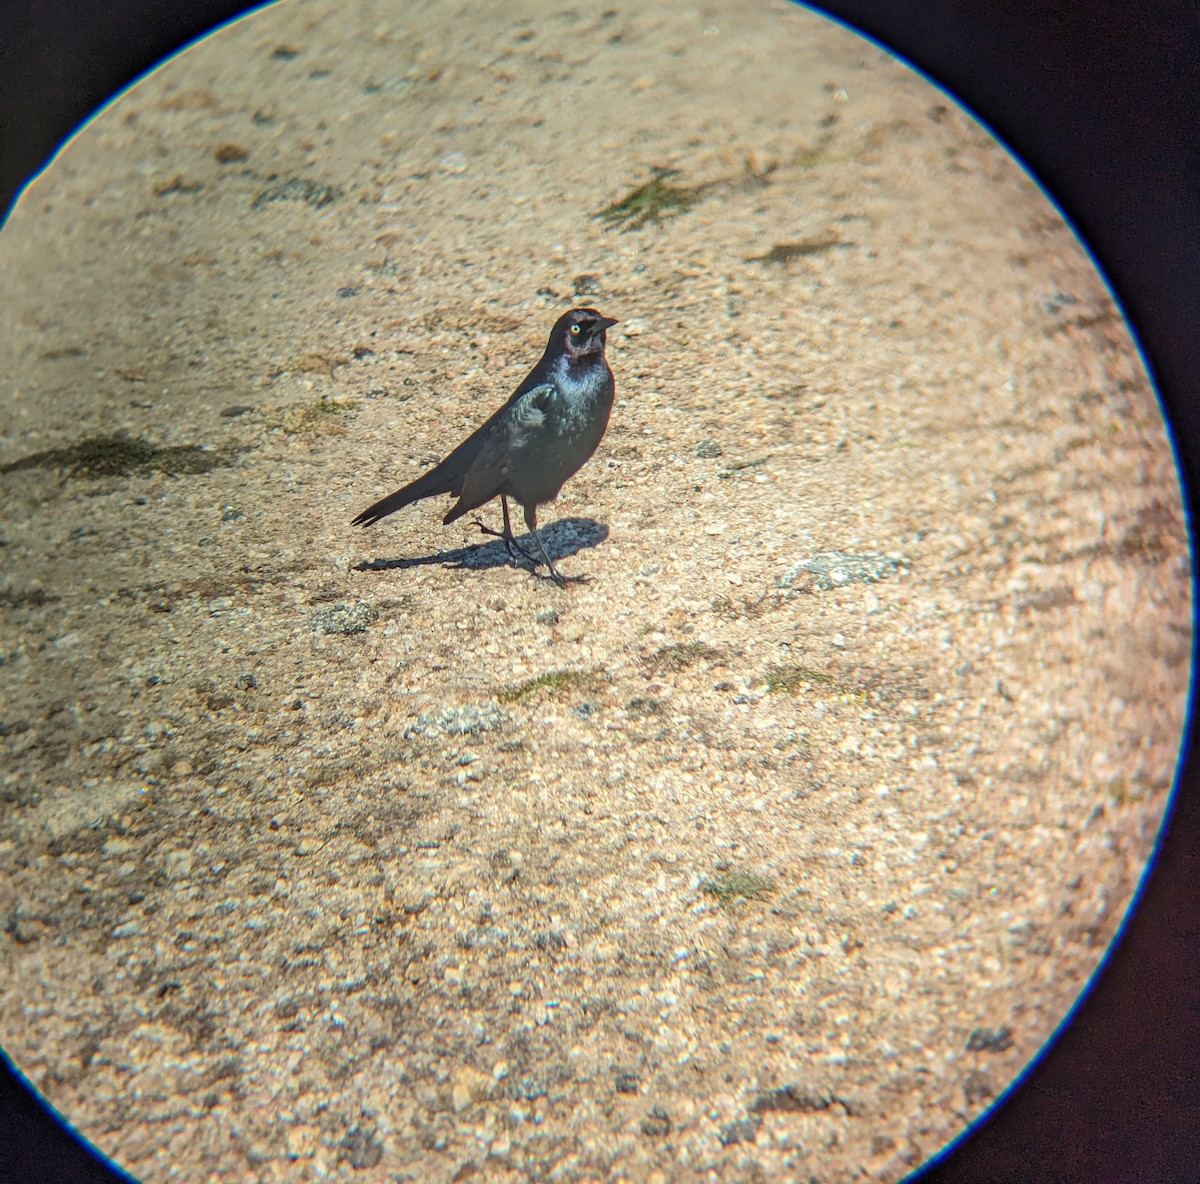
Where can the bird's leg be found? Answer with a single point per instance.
(510, 542)
(531, 522)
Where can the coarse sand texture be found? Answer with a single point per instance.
(772, 847)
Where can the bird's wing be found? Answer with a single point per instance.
(445, 477)
(521, 423)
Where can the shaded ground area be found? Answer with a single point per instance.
(775, 846)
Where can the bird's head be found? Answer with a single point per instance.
(581, 332)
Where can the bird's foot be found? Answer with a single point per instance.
(496, 534)
(510, 544)
(565, 581)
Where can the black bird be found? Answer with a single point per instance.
(534, 444)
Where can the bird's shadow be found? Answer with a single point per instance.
(567, 536)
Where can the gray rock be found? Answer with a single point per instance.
(745, 1130)
(656, 1124)
(361, 1149)
(977, 1088)
(990, 1039)
(835, 569)
(468, 720)
(345, 618)
(627, 1083)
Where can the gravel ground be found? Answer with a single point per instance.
(778, 843)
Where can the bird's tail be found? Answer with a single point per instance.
(436, 481)
(445, 477)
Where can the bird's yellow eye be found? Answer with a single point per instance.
(575, 330)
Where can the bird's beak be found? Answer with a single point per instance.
(606, 323)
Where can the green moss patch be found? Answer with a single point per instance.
(783, 253)
(789, 679)
(671, 659)
(123, 456)
(729, 888)
(650, 203)
(555, 683)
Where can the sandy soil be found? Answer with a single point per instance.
(774, 846)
